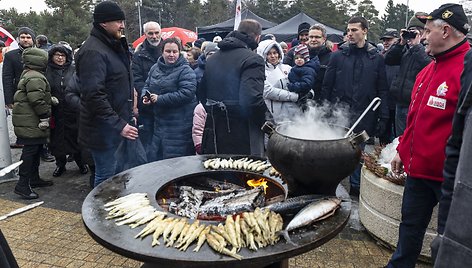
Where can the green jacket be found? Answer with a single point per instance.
(32, 100)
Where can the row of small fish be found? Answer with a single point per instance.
(274, 173)
(133, 210)
(254, 230)
(177, 232)
(239, 164)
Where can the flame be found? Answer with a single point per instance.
(256, 183)
(163, 201)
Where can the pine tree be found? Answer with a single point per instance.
(367, 10)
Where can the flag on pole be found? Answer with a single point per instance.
(237, 16)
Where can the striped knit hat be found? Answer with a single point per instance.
(303, 51)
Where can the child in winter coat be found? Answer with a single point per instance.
(302, 75)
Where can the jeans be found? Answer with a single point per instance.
(419, 198)
(105, 164)
(29, 169)
(401, 112)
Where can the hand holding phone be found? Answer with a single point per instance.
(147, 97)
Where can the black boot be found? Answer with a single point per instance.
(45, 155)
(83, 169)
(40, 183)
(59, 171)
(26, 192)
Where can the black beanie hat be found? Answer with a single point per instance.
(303, 27)
(26, 30)
(107, 11)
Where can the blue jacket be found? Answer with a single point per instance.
(302, 78)
(201, 68)
(355, 76)
(175, 85)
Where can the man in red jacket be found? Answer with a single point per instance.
(429, 124)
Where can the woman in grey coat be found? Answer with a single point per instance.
(172, 86)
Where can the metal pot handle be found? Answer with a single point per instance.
(268, 128)
(359, 138)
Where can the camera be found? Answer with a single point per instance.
(409, 35)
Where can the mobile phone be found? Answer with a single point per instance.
(147, 94)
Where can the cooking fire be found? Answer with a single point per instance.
(206, 198)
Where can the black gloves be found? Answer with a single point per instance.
(302, 99)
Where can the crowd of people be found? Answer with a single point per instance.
(213, 98)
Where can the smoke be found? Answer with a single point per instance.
(318, 122)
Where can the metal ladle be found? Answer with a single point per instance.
(376, 101)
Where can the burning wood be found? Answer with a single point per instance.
(256, 183)
(233, 203)
(195, 203)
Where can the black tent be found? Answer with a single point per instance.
(223, 28)
(287, 30)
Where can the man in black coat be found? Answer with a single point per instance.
(355, 76)
(103, 68)
(302, 38)
(146, 56)
(389, 38)
(13, 64)
(409, 53)
(231, 91)
(317, 47)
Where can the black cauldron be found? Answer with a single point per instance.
(313, 166)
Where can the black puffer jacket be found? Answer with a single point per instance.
(355, 76)
(65, 128)
(143, 60)
(103, 68)
(234, 76)
(11, 72)
(411, 60)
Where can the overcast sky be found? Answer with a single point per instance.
(417, 5)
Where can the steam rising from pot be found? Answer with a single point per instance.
(319, 122)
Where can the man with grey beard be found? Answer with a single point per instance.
(144, 58)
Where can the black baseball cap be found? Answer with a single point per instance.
(389, 33)
(451, 13)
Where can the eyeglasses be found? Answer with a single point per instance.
(60, 55)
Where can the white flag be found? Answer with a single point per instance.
(237, 16)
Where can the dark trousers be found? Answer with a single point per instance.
(61, 160)
(419, 198)
(29, 169)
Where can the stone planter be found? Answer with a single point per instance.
(380, 211)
